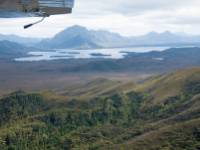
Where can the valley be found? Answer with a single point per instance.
(127, 98)
(57, 74)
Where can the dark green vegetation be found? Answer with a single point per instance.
(162, 113)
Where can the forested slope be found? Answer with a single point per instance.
(135, 118)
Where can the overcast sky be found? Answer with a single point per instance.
(127, 17)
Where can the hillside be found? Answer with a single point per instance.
(169, 85)
(162, 112)
(10, 50)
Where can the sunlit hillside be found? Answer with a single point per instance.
(160, 113)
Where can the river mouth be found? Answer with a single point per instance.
(110, 53)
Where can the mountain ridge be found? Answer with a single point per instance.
(86, 38)
(79, 37)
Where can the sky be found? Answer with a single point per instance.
(127, 17)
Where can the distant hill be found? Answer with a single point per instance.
(128, 116)
(166, 38)
(78, 37)
(21, 40)
(8, 48)
(12, 50)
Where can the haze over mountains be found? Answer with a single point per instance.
(11, 49)
(21, 40)
(78, 37)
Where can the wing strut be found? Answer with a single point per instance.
(29, 25)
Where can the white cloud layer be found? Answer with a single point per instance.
(127, 17)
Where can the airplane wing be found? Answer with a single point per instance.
(34, 8)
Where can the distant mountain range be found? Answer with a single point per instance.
(21, 40)
(166, 38)
(78, 37)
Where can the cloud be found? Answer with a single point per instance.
(127, 17)
(131, 6)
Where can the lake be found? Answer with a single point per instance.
(109, 53)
